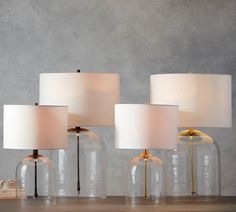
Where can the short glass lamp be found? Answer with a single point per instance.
(193, 168)
(90, 97)
(145, 127)
(38, 128)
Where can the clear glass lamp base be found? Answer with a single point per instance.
(90, 155)
(193, 168)
(145, 184)
(34, 178)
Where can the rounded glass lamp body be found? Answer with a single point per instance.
(34, 178)
(92, 162)
(145, 184)
(193, 169)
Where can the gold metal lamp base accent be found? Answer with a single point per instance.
(190, 133)
(145, 155)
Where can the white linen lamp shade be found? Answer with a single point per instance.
(142, 126)
(35, 127)
(90, 96)
(204, 99)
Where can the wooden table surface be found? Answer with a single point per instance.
(113, 204)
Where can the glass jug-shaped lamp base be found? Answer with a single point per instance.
(193, 169)
(91, 168)
(34, 178)
(145, 180)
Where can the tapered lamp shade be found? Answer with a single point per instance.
(90, 96)
(35, 127)
(141, 126)
(204, 99)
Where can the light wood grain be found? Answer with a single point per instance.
(113, 204)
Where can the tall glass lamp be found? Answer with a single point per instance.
(141, 126)
(81, 169)
(193, 168)
(36, 128)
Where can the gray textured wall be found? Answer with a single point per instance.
(134, 38)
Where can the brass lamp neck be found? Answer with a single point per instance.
(145, 154)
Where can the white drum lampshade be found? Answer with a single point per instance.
(204, 99)
(35, 127)
(141, 126)
(90, 96)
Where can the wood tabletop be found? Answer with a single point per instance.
(113, 204)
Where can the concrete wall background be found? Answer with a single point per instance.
(134, 38)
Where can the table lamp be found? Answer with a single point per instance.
(37, 128)
(142, 126)
(204, 101)
(91, 98)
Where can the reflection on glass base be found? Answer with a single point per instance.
(187, 199)
(41, 200)
(141, 200)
